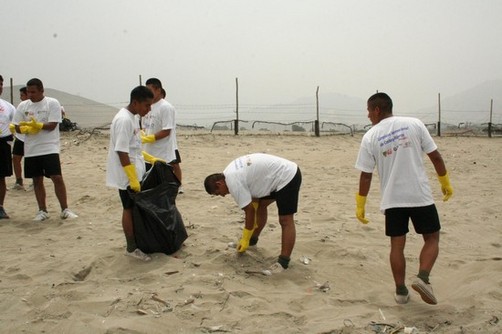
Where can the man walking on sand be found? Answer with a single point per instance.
(395, 145)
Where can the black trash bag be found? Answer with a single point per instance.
(67, 125)
(158, 225)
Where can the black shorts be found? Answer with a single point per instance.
(18, 147)
(42, 165)
(5, 157)
(425, 220)
(178, 158)
(125, 198)
(287, 198)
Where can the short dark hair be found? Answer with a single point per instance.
(36, 82)
(23, 89)
(210, 182)
(382, 101)
(141, 94)
(154, 82)
(1, 78)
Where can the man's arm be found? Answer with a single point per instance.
(365, 183)
(124, 158)
(438, 162)
(250, 213)
(444, 178)
(364, 188)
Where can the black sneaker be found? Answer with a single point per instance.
(3, 214)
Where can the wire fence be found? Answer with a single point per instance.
(301, 118)
(307, 118)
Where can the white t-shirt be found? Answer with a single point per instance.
(7, 111)
(396, 146)
(257, 175)
(124, 137)
(47, 110)
(161, 117)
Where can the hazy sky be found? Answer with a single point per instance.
(279, 49)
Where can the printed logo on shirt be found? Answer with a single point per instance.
(398, 136)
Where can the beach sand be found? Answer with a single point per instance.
(72, 276)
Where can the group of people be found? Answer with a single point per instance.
(395, 147)
(34, 123)
(140, 134)
(144, 132)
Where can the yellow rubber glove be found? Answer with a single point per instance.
(360, 212)
(445, 186)
(150, 158)
(130, 171)
(244, 242)
(148, 139)
(12, 128)
(25, 129)
(33, 123)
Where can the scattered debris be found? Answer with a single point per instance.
(325, 287)
(305, 259)
(214, 329)
(141, 312)
(265, 272)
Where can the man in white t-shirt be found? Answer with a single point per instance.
(255, 181)
(38, 118)
(7, 111)
(395, 146)
(159, 125)
(126, 165)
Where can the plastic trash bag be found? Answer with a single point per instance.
(158, 225)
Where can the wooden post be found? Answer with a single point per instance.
(439, 112)
(11, 91)
(490, 122)
(236, 127)
(316, 126)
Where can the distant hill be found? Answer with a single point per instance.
(85, 112)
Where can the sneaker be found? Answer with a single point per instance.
(274, 269)
(17, 186)
(3, 214)
(425, 291)
(138, 254)
(401, 299)
(68, 214)
(41, 216)
(30, 187)
(180, 190)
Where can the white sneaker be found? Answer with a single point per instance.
(17, 186)
(180, 190)
(41, 216)
(138, 254)
(401, 299)
(274, 269)
(68, 214)
(425, 291)
(30, 187)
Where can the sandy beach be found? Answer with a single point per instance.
(72, 276)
